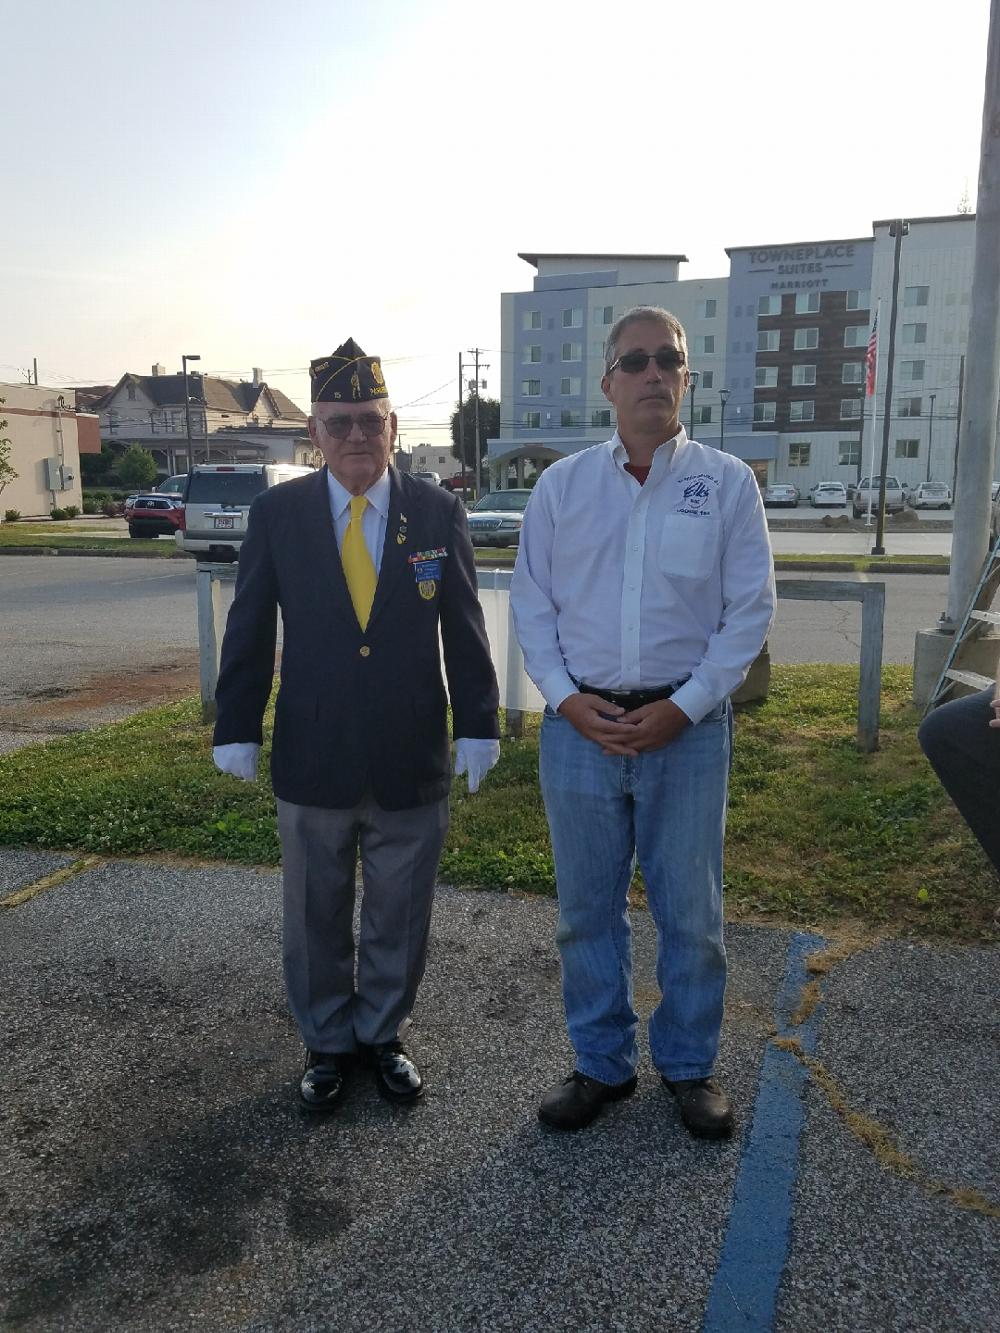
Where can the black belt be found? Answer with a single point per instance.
(629, 699)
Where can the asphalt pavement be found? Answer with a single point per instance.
(158, 1176)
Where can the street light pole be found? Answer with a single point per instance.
(693, 378)
(930, 437)
(187, 407)
(897, 230)
(724, 398)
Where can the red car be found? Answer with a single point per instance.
(150, 515)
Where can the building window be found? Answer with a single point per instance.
(913, 296)
(131, 393)
(858, 299)
(907, 448)
(766, 377)
(852, 372)
(849, 453)
(572, 417)
(598, 350)
(909, 407)
(806, 303)
(572, 351)
(531, 388)
(602, 417)
(806, 340)
(569, 384)
(768, 340)
(803, 410)
(911, 370)
(798, 454)
(850, 409)
(572, 319)
(856, 335)
(706, 309)
(914, 333)
(532, 319)
(707, 379)
(803, 374)
(704, 344)
(532, 353)
(768, 305)
(533, 420)
(703, 415)
(604, 314)
(763, 412)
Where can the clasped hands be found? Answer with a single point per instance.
(619, 732)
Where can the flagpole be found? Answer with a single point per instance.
(871, 460)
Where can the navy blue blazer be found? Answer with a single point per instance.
(357, 711)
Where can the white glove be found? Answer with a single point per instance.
(475, 757)
(238, 759)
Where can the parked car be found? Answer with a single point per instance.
(496, 519)
(433, 477)
(217, 499)
(930, 495)
(461, 483)
(150, 515)
(828, 494)
(779, 493)
(858, 494)
(172, 485)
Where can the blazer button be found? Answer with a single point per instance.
(365, 651)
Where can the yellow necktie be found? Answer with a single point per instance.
(358, 567)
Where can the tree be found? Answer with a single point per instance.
(489, 427)
(95, 469)
(7, 470)
(137, 467)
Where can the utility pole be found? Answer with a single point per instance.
(977, 424)
(898, 230)
(958, 425)
(930, 437)
(693, 378)
(461, 415)
(34, 361)
(474, 352)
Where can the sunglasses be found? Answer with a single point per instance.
(371, 424)
(634, 363)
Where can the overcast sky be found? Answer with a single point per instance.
(255, 182)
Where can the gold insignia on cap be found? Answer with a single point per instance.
(355, 384)
(377, 375)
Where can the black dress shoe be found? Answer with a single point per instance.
(396, 1074)
(577, 1100)
(324, 1080)
(705, 1109)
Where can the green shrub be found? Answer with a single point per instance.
(91, 506)
(110, 508)
(57, 513)
(71, 511)
(11, 515)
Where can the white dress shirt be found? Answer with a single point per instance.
(374, 520)
(629, 587)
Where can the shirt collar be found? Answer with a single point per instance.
(378, 495)
(667, 451)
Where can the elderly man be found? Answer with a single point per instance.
(643, 591)
(367, 566)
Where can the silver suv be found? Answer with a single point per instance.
(217, 500)
(858, 494)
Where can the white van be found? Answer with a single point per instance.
(217, 499)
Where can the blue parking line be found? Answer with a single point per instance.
(755, 1247)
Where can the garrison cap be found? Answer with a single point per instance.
(347, 376)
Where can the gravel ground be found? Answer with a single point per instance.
(158, 1177)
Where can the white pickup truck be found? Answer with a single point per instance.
(858, 494)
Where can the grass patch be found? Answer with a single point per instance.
(54, 535)
(818, 833)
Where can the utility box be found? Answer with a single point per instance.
(58, 477)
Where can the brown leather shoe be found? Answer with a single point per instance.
(577, 1100)
(705, 1109)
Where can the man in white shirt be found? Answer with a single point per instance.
(371, 570)
(643, 591)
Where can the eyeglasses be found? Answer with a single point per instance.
(634, 363)
(371, 425)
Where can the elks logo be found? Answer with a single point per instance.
(696, 494)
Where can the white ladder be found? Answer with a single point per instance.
(977, 616)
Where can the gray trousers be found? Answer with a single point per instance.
(399, 852)
(964, 751)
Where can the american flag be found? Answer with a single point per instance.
(870, 357)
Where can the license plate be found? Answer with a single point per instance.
(223, 522)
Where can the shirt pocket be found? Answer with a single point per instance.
(689, 546)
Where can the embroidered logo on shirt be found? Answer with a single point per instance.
(427, 571)
(696, 493)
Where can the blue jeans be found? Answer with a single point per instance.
(668, 807)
